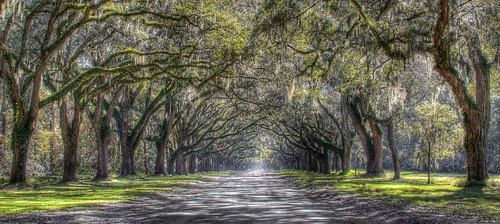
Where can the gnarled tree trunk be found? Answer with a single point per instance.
(70, 135)
(475, 114)
(371, 143)
(102, 128)
(21, 134)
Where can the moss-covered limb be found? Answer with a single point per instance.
(332, 117)
(153, 106)
(305, 140)
(80, 50)
(139, 12)
(207, 146)
(104, 87)
(26, 31)
(7, 55)
(50, 49)
(10, 81)
(328, 145)
(385, 44)
(238, 131)
(321, 143)
(126, 67)
(136, 52)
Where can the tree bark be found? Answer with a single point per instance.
(375, 163)
(161, 145)
(346, 139)
(53, 141)
(475, 115)
(371, 143)
(337, 162)
(123, 125)
(428, 163)
(180, 164)
(70, 135)
(171, 166)
(3, 119)
(160, 158)
(394, 151)
(193, 163)
(102, 127)
(146, 167)
(21, 135)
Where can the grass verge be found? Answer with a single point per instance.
(44, 193)
(446, 192)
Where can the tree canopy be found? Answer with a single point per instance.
(199, 85)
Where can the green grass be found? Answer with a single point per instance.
(44, 193)
(446, 192)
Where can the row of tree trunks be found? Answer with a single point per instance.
(205, 164)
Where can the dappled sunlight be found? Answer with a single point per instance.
(256, 196)
(443, 193)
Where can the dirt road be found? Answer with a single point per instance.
(243, 197)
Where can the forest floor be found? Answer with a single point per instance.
(247, 197)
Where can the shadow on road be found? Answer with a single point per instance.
(244, 197)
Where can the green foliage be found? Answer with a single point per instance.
(441, 133)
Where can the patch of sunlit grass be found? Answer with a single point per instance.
(445, 193)
(44, 193)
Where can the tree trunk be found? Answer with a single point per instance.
(337, 162)
(308, 161)
(3, 119)
(475, 115)
(372, 144)
(102, 126)
(394, 150)
(126, 159)
(160, 158)
(375, 164)
(102, 160)
(146, 167)
(70, 135)
(346, 140)
(180, 163)
(21, 135)
(123, 125)
(428, 163)
(171, 167)
(193, 166)
(161, 146)
(322, 161)
(54, 152)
